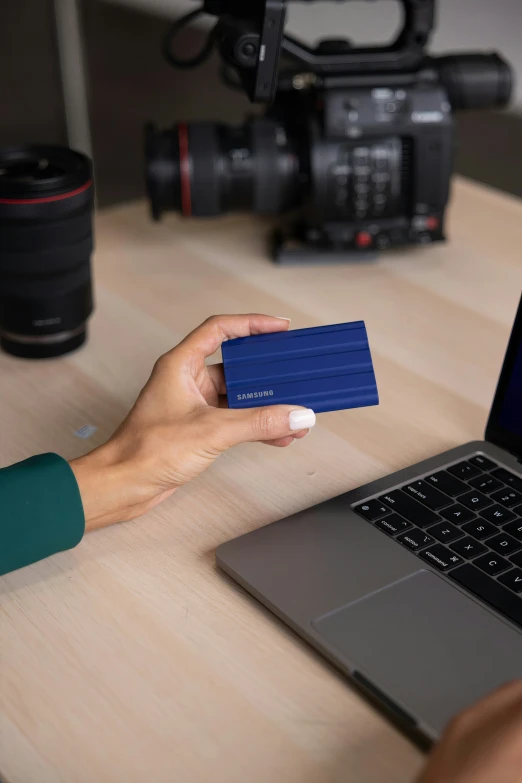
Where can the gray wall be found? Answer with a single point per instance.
(30, 87)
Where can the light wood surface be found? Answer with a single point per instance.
(132, 658)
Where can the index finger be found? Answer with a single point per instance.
(499, 703)
(503, 697)
(207, 338)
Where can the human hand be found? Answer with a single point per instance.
(482, 744)
(179, 425)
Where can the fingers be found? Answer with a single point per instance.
(217, 376)
(283, 442)
(207, 338)
(271, 423)
(501, 699)
(509, 695)
(498, 703)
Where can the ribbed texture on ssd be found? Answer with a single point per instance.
(326, 368)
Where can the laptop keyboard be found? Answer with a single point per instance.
(465, 520)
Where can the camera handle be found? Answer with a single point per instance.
(251, 39)
(404, 54)
(250, 36)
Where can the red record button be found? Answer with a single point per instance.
(432, 223)
(363, 239)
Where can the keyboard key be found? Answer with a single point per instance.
(427, 494)
(492, 564)
(486, 484)
(458, 514)
(464, 470)
(504, 544)
(497, 514)
(489, 591)
(475, 500)
(468, 547)
(393, 524)
(507, 497)
(517, 559)
(440, 557)
(479, 529)
(447, 483)
(483, 462)
(408, 508)
(512, 579)
(514, 529)
(508, 478)
(372, 510)
(415, 539)
(445, 532)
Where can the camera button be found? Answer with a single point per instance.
(363, 239)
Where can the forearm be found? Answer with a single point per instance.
(101, 488)
(111, 487)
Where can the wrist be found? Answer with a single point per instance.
(108, 487)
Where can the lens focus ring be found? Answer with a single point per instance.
(52, 208)
(47, 262)
(204, 155)
(43, 234)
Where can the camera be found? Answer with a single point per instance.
(355, 152)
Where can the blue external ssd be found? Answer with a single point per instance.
(326, 368)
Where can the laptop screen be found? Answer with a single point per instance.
(511, 416)
(505, 423)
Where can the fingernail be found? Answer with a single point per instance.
(302, 420)
(282, 318)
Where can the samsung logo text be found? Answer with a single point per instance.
(255, 395)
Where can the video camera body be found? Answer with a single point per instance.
(355, 150)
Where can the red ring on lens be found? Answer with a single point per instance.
(184, 168)
(47, 199)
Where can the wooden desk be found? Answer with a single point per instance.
(132, 658)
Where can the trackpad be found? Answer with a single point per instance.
(425, 645)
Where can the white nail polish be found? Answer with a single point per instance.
(302, 420)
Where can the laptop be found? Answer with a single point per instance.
(410, 585)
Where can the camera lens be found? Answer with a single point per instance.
(205, 169)
(46, 242)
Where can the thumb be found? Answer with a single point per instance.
(261, 424)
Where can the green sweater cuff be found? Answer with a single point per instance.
(41, 511)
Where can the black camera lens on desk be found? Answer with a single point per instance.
(46, 243)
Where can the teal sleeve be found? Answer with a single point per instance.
(41, 511)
